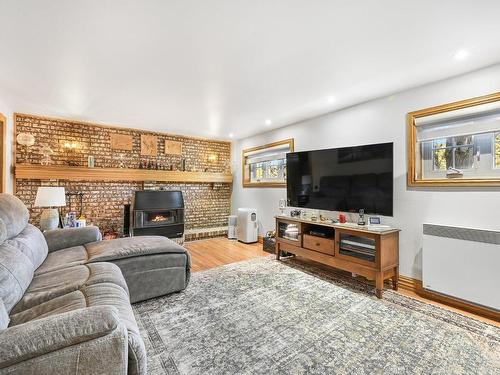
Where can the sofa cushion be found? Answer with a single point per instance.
(58, 239)
(128, 247)
(72, 256)
(16, 273)
(102, 294)
(50, 285)
(83, 341)
(64, 303)
(14, 214)
(31, 243)
(4, 317)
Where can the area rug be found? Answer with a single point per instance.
(268, 317)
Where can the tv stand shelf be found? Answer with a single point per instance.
(373, 253)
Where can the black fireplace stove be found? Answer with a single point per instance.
(156, 212)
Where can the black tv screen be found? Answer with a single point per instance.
(342, 179)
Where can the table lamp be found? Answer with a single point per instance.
(50, 197)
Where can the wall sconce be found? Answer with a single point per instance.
(71, 147)
(212, 158)
(46, 151)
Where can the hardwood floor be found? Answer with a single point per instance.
(206, 254)
(211, 253)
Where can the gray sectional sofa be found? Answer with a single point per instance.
(65, 295)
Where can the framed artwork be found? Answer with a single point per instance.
(455, 144)
(149, 145)
(121, 142)
(173, 147)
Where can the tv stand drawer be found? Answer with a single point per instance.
(323, 245)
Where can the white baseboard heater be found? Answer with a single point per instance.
(462, 263)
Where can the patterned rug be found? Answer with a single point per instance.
(267, 317)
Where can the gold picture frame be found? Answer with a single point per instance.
(245, 171)
(414, 163)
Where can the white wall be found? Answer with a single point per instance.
(383, 120)
(7, 112)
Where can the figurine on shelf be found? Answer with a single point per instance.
(361, 217)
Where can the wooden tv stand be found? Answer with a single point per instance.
(349, 247)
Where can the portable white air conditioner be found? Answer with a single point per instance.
(247, 229)
(231, 227)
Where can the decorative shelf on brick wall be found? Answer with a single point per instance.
(57, 172)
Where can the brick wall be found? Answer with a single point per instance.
(207, 205)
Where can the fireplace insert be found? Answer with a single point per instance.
(155, 218)
(157, 212)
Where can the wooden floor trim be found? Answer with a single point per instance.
(415, 286)
(408, 283)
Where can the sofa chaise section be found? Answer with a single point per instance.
(151, 265)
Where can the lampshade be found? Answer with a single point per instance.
(47, 196)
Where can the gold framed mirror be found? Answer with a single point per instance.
(455, 144)
(265, 166)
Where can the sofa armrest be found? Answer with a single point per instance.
(62, 238)
(89, 338)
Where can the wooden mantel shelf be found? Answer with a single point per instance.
(59, 172)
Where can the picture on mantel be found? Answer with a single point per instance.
(149, 145)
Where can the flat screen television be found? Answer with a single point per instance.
(342, 179)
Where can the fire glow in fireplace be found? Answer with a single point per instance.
(158, 218)
(157, 212)
(154, 218)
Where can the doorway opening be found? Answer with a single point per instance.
(3, 152)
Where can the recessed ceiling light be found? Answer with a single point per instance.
(268, 122)
(231, 135)
(461, 54)
(330, 99)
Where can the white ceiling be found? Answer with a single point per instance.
(211, 68)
